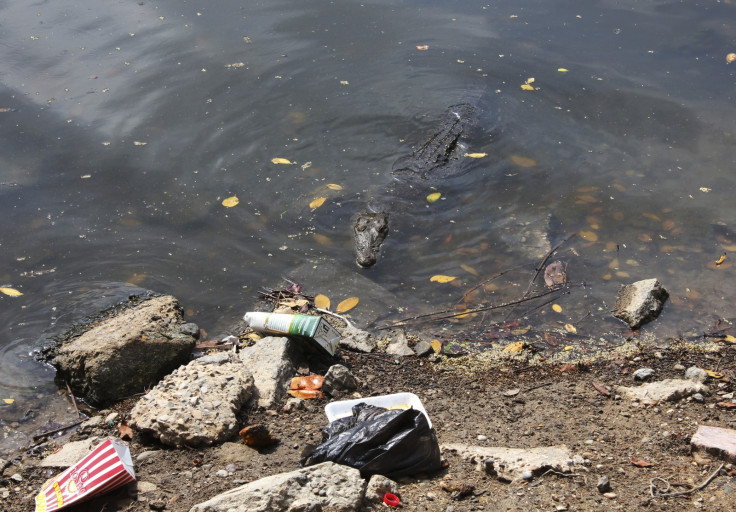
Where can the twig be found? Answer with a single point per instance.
(74, 400)
(328, 312)
(567, 475)
(485, 281)
(664, 494)
(456, 313)
(60, 429)
(545, 384)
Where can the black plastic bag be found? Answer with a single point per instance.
(375, 440)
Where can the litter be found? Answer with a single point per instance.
(105, 468)
(311, 327)
(343, 408)
(375, 440)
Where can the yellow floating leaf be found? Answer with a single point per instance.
(347, 304)
(527, 87)
(317, 202)
(431, 198)
(231, 201)
(334, 186)
(556, 308)
(523, 161)
(568, 348)
(515, 347)
(11, 291)
(439, 278)
(322, 301)
(730, 58)
(729, 338)
(436, 346)
(713, 374)
(8, 400)
(590, 236)
(284, 161)
(469, 269)
(423, 47)
(139, 143)
(721, 259)
(571, 328)
(562, 70)
(475, 155)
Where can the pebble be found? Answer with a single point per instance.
(145, 455)
(110, 418)
(222, 473)
(643, 374)
(678, 367)
(697, 397)
(16, 477)
(527, 476)
(481, 437)
(231, 468)
(604, 485)
(610, 495)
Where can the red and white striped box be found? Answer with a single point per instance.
(105, 468)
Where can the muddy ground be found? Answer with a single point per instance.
(556, 404)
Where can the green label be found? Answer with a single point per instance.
(304, 325)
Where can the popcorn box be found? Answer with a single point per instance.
(105, 468)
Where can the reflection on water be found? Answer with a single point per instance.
(124, 130)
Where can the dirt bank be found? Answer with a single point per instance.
(553, 405)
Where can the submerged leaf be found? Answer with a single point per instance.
(317, 202)
(11, 291)
(334, 186)
(347, 304)
(523, 161)
(230, 201)
(322, 301)
(439, 278)
(571, 328)
(469, 269)
(475, 155)
(556, 308)
(9, 400)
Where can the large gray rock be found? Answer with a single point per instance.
(399, 344)
(668, 390)
(197, 405)
(326, 486)
(357, 339)
(71, 453)
(121, 355)
(509, 464)
(640, 302)
(273, 362)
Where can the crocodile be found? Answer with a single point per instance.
(438, 157)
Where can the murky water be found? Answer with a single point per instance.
(124, 127)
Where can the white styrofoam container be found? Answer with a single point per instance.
(344, 408)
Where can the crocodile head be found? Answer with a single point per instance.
(370, 231)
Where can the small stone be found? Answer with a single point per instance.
(643, 374)
(190, 329)
(16, 477)
(511, 392)
(604, 485)
(696, 374)
(481, 437)
(527, 476)
(231, 468)
(678, 367)
(697, 397)
(717, 441)
(145, 455)
(222, 473)
(110, 418)
(145, 487)
(610, 495)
